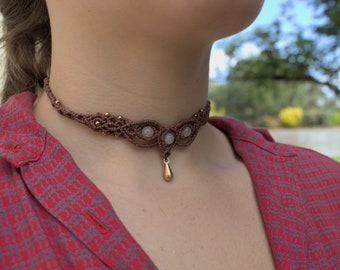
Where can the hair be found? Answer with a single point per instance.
(27, 45)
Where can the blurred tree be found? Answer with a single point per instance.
(330, 10)
(259, 102)
(273, 63)
(216, 111)
(287, 56)
(325, 34)
(291, 68)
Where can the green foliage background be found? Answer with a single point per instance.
(292, 69)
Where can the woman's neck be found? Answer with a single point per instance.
(139, 81)
(161, 85)
(160, 75)
(141, 68)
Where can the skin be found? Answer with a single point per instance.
(149, 60)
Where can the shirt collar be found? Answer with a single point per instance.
(239, 132)
(22, 139)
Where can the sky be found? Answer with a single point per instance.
(270, 11)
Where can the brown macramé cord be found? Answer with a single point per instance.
(143, 134)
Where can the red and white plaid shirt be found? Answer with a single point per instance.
(53, 217)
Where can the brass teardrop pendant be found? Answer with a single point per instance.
(168, 175)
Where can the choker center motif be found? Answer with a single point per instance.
(145, 134)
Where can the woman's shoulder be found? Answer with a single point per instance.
(257, 148)
(296, 187)
(18, 102)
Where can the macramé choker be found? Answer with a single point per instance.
(145, 134)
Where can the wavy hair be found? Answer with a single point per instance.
(26, 40)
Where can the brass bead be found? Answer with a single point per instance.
(107, 114)
(201, 110)
(56, 102)
(119, 117)
(97, 123)
(168, 174)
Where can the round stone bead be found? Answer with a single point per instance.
(169, 138)
(148, 132)
(186, 132)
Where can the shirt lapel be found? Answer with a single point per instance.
(281, 205)
(273, 170)
(69, 196)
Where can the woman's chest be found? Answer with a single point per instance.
(216, 226)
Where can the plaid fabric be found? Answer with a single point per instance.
(298, 192)
(53, 217)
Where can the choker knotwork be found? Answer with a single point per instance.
(143, 134)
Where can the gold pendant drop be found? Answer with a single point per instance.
(168, 175)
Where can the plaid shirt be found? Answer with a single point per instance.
(53, 217)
